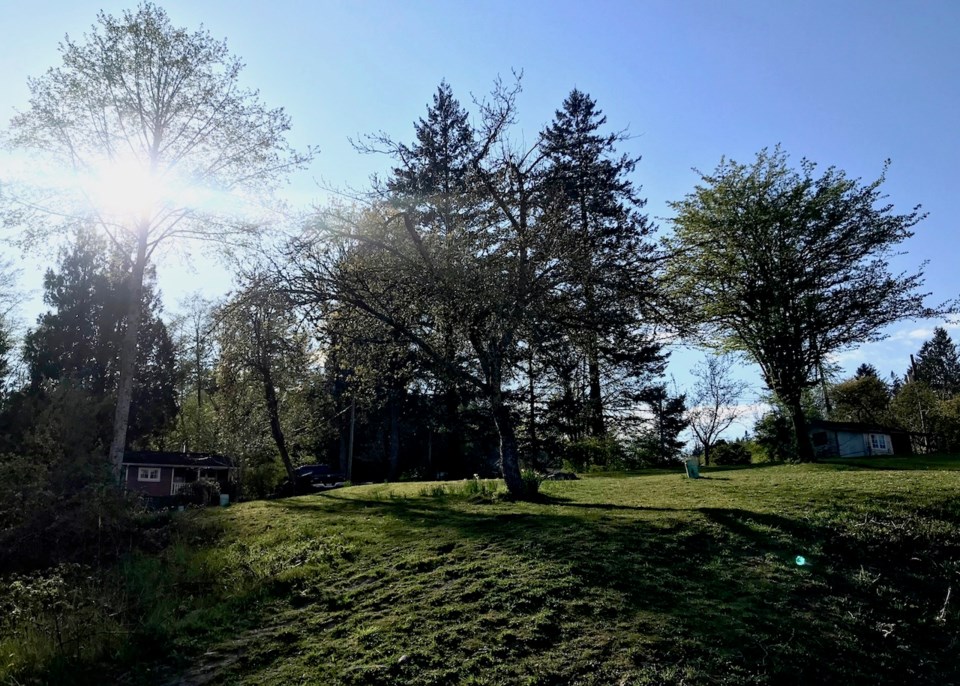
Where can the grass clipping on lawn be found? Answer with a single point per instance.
(648, 579)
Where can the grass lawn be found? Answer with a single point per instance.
(643, 579)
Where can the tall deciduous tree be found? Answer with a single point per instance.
(151, 120)
(790, 267)
(195, 347)
(713, 403)
(261, 343)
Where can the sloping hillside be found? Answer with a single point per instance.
(645, 579)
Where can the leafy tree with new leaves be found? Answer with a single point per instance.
(790, 267)
(160, 113)
(264, 353)
(863, 399)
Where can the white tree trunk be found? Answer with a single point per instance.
(128, 358)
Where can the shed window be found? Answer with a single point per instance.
(148, 474)
(878, 441)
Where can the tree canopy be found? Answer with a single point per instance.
(488, 260)
(158, 138)
(791, 267)
(938, 365)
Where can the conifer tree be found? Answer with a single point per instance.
(78, 341)
(589, 191)
(938, 364)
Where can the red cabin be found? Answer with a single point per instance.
(161, 474)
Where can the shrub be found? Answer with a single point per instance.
(724, 453)
(530, 481)
(200, 492)
(774, 434)
(61, 616)
(581, 455)
(66, 512)
(261, 478)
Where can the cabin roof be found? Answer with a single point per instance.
(149, 458)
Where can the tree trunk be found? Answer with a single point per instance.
(343, 445)
(706, 454)
(128, 358)
(532, 409)
(598, 427)
(273, 410)
(509, 456)
(453, 436)
(804, 446)
(394, 451)
(353, 426)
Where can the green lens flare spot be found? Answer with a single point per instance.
(800, 560)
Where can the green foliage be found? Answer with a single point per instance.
(592, 452)
(789, 268)
(77, 342)
(914, 407)
(613, 286)
(531, 481)
(61, 617)
(668, 422)
(938, 364)
(200, 492)
(60, 511)
(861, 399)
(948, 424)
(730, 453)
(643, 452)
(260, 478)
(775, 438)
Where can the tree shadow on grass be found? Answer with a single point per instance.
(910, 463)
(717, 588)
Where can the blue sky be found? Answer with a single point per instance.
(843, 83)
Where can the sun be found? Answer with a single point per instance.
(125, 189)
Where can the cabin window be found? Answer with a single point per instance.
(148, 474)
(878, 441)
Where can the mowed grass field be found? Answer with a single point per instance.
(633, 579)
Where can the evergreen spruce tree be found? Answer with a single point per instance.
(938, 364)
(668, 421)
(434, 184)
(589, 190)
(78, 341)
(435, 171)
